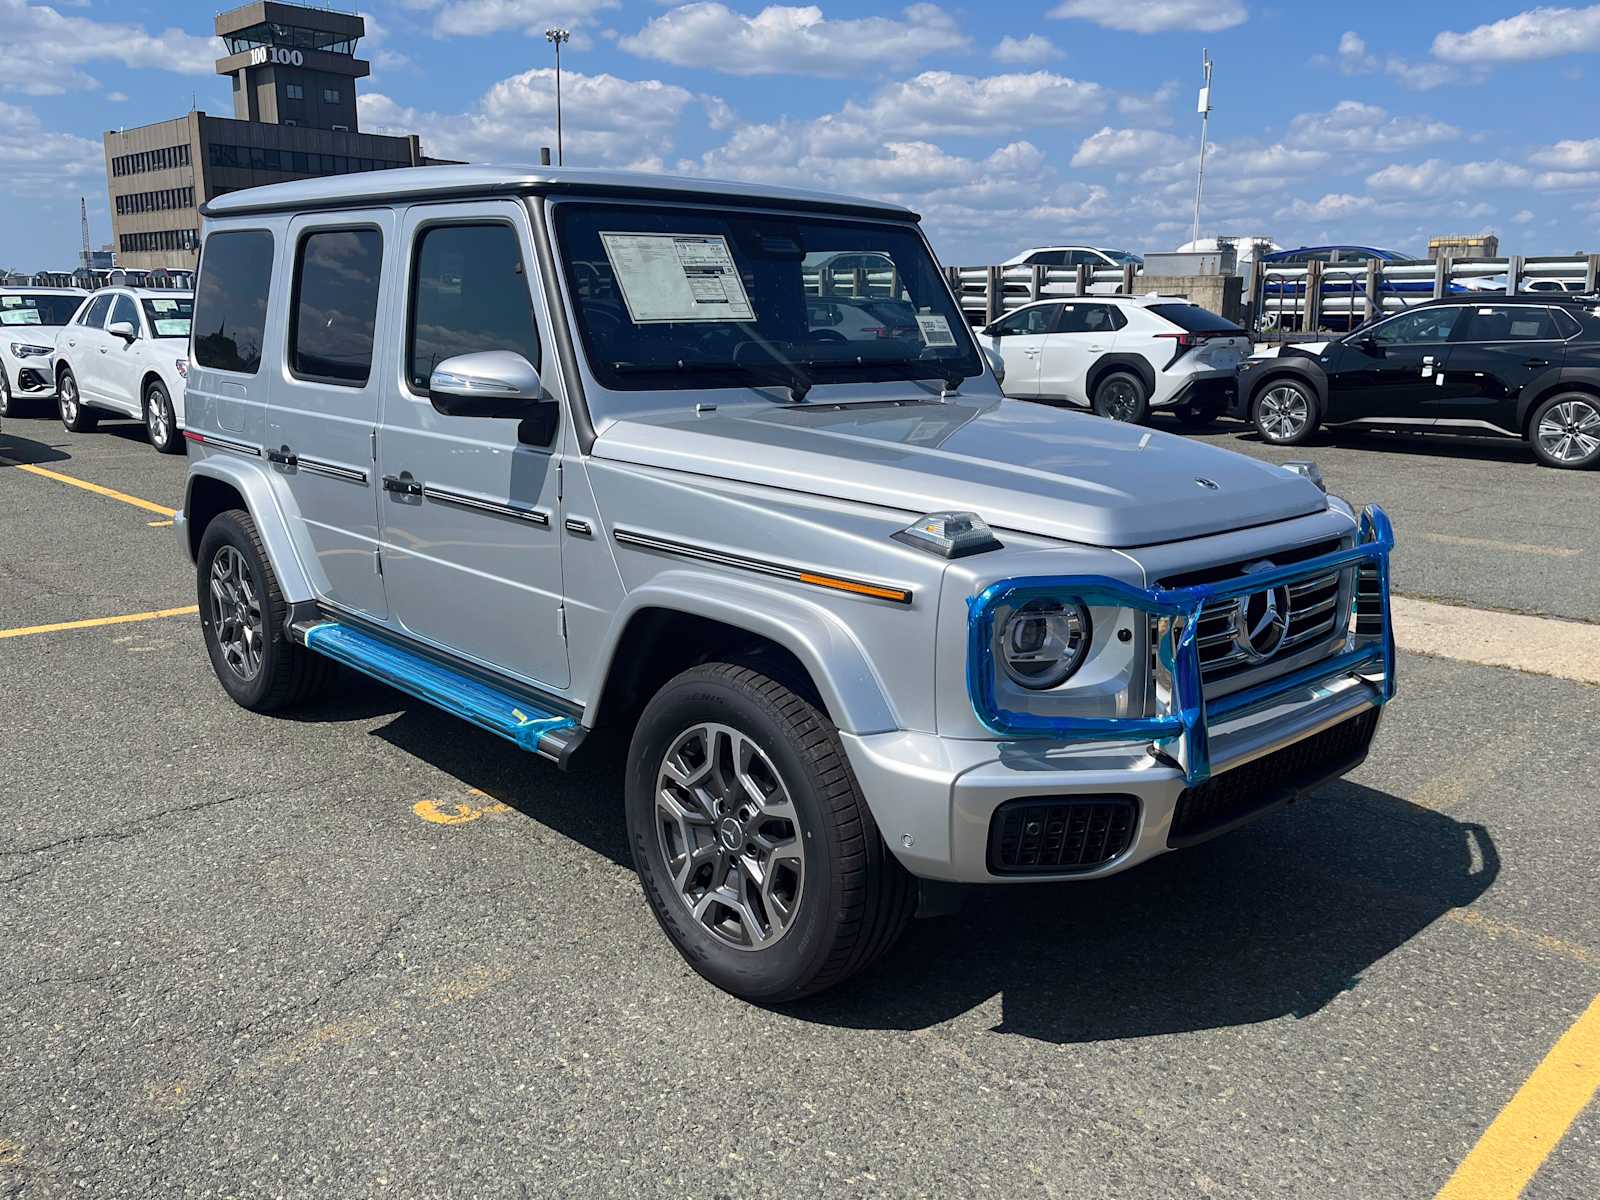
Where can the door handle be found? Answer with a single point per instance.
(1536, 362)
(402, 484)
(283, 456)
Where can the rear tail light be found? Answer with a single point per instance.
(1185, 343)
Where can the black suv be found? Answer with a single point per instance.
(1521, 366)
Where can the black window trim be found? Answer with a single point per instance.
(272, 275)
(292, 325)
(1477, 304)
(445, 219)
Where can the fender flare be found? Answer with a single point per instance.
(1539, 388)
(261, 502)
(1136, 363)
(844, 677)
(1303, 371)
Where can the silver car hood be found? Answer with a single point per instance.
(1019, 465)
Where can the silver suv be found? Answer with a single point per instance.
(566, 450)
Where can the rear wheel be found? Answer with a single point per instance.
(5, 397)
(755, 848)
(1284, 413)
(1565, 431)
(76, 416)
(1122, 396)
(159, 420)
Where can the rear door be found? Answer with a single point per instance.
(1019, 338)
(325, 401)
(1499, 349)
(471, 511)
(1395, 373)
(1083, 333)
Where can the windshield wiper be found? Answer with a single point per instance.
(902, 368)
(779, 374)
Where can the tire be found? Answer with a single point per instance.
(160, 422)
(1122, 396)
(1284, 412)
(1564, 431)
(1198, 414)
(284, 674)
(76, 416)
(9, 405)
(848, 898)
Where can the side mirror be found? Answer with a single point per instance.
(123, 330)
(1368, 344)
(993, 331)
(491, 383)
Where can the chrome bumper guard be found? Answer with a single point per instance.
(1179, 728)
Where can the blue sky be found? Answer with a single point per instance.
(1008, 123)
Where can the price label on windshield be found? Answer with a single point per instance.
(677, 277)
(935, 330)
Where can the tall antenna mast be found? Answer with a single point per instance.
(84, 253)
(1205, 131)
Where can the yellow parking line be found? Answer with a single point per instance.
(1528, 1128)
(91, 622)
(110, 493)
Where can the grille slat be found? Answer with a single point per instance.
(1369, 601)
(1058, 834)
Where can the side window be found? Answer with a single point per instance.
(1048, 258)
(1566, 324)
(95, 315)
(124, 310)
(230, 300)
(1037, 319)
(334, 316)
(469, 292)
(1425, 326)
(1073, 318)
(1508, 323)
(1102, 318)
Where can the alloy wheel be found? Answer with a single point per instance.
(69, 399)
(236, 613)
(1121, 400)
(1570, 431)
(1284, 412)
(730, 835)
(5, 395)
(156, 418)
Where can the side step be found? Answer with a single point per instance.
(549, 734)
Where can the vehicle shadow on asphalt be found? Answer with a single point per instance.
(26, 451)
(1438, 445)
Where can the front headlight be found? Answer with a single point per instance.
(1044, 642)
(28, 350)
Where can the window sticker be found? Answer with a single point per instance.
(1525, 329)
(163, 305)
(935, 330)
(10, 301)
(677, 277)
(173, 327)
(20, 316)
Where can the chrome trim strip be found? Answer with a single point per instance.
(222, 443)
(316, 466)
(645, 541)
(531, 515)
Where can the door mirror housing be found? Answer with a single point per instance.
(123, 330)
(491, 383)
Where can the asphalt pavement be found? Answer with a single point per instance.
(368, 950)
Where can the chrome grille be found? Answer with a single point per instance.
(1369, 602)
(1313, 612)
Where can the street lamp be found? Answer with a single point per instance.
(556, 36)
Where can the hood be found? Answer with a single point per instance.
(1018, 465)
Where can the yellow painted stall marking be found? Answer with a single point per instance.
(1539, 1115)
(459, 813)
(109, 493)
(92, 622)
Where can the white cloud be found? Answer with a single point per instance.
(792, 40)
(475, 18)
(1523, 217)
(1029, 51)
(43, 49)
(1534, 34)
(1151, 107)
(1352, 125)
(1435, 176)
(1155, 16)
(1569, 155)
(1353, 57)
(606, 120)
(1558, 181)
(941, 102)
(1127, 147)
(1333, 206)
(38, 162)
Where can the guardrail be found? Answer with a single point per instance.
(986, 293)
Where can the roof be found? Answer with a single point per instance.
(415, 183)
(1544, 299)
(1142, 301)
(1394, 254)
(21, 288)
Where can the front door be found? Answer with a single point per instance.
(1019, 339)
(86, 344)
(1498, 351)
(1396, 371)
(325, 402)
(119, 370)
(471, 514)
(1083, 333)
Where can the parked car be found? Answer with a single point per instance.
(126, 352)
(1344, 293)
(864, 621)
(30, 318)
(1096, 257)
(1123, 356)
(1525, 366)
(844, 319)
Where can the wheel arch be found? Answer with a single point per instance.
(216, 485)
(1585, 380)
(1137, 364)
(1316, 381)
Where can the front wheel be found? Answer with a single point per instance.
(755, 848)
(76, 416)
(1285, 413)
(1565, 431)
(1122, 396)
(160, 422)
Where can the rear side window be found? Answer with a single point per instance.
(335, 311)
(230, 300)
(1566, 323)
(1194, 319)
(1510, 323)
(469, 292)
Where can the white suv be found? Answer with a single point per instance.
(30, 318)
(1123, 356)
(126, 352)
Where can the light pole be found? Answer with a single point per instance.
(556, 36)
(1204, 108)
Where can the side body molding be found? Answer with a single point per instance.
(844, 676)
(245, 477)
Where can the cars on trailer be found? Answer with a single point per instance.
(30, 319)
(1525, 366)
(126, 353)
(558, 451)
(1123, 356)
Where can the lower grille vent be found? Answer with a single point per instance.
(1369, 602)
(1055, 834)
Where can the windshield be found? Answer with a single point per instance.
(38, 309)
(1123, 257)
(169, 318)
(671, 298)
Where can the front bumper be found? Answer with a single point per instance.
(31, 378)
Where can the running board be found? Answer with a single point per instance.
(549, 734)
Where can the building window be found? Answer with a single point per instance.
(335, 308)
(160, 239)
(330, 95)
(294, 92)
(230, 301)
